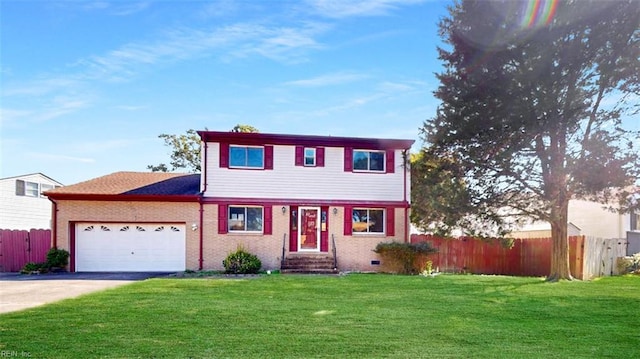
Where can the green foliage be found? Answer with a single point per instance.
(533, 111)
(32, 267)
(242, 262)
(439, 196)
(244, 128)
(185, 152)
(186, 148)
(57, 258)
(404, 258)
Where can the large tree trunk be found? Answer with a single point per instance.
(560, 242)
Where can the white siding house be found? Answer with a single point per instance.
(22, 205)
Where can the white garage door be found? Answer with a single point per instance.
(130, 247)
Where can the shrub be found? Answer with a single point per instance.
(404, 258)
(241, 262)
(57, 258)
(32, 267)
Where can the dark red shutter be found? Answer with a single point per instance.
(391, 161)
(222, 219)
(348, 159)
(268, 220)
(224, 155)
(324, 231)
(268, 157)
(299, 156)
(293, 235)
(348, 220)
(20, 188)
(391, 221)
(320, 156)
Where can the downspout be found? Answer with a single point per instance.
(203, 167)
(406, 203)
(201, 257)
(54, 223)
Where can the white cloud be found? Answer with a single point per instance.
(333, 79)
(9, 116)
(59, 106)
(341, 9)
(61, 158)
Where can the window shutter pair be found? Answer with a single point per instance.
(389, 158)
(267, 214)
(224, 156)
(389, 216)
(299, 160)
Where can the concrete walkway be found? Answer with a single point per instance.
(18, 292)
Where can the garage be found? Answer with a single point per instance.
(130, 247)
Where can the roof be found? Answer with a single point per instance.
(32, 174)
(132, 184)
(251, 138)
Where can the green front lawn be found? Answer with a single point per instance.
(359, 316)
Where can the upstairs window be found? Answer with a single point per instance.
(28, 189)
(44, 188)
(245, 219)
(246, 157)
(371, 161)
(309, 156)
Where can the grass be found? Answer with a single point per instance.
(359, 316)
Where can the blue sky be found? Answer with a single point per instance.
(88, 86)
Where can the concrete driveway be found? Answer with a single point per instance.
(19, 292)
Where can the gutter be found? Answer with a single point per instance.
(406, 206)
(203, 166)
(54, 223)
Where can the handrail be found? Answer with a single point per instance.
(284, 244)
(335, 257)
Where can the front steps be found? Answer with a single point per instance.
(308, 264)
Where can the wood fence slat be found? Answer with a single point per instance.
(18, 247)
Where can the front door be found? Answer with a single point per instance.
(309, 229)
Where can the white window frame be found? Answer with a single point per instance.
(369, 152)
(367, 232)
(244, 219)
(246, 148)
(31, 192)
(49, 187)
(315, 157)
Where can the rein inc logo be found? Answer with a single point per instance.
(14, 354)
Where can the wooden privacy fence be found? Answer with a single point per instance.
(18, 247)
(527, 257)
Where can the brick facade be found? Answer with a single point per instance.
(354, 253)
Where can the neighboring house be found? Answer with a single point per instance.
(22, 204)
(590, 219)
(273, 195)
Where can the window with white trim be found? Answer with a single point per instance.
(245, 219)
(309, 156)
(368, 220)
(368, 161)
(246, 157)
(44, 188)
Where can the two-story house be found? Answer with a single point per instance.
(278, 196)
(22, 203)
